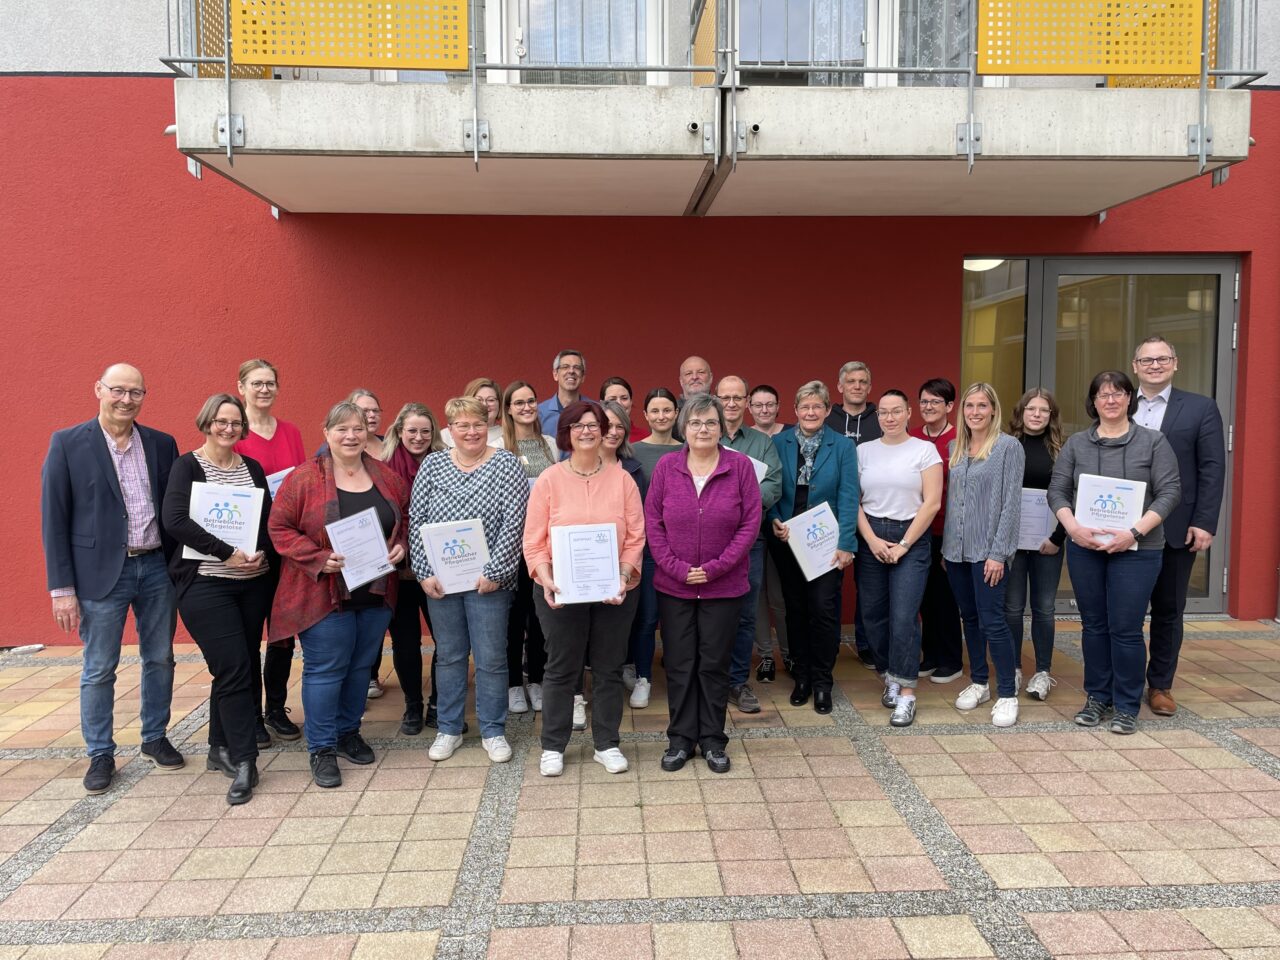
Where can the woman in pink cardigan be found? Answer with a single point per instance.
(702, 514)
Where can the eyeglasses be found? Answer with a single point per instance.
(933, 403)
(1110, 397)
(768, 405)
(896, 412)
(468, 427)
(812, 408)
(585, 427)
(523, 404)
(697, 426)
(262, 385)
(369, 410)
(236, 425)
(730, 398)
(1152, 361)
(119, 393)
(571, 368)
(424, 433)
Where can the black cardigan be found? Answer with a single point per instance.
(176, 519)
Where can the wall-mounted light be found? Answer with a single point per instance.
(981, 266)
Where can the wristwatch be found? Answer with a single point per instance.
(1136, 534)
(904, 545)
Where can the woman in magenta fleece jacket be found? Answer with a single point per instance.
(702, 515)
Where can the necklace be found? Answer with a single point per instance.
(463, 463)
(934, 436)
(351, 471)
(710, 470)
(230, 464)
(599, 467)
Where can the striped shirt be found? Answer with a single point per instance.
(237, 476)
(135, 487)
(984, 505)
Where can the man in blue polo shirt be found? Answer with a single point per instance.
(568, 370)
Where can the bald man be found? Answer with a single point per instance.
(105, 553)
(695, 378)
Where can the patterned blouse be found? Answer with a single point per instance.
(496, 492)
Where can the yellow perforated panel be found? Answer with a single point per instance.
(379, 35)
(211, 24)
(1089, 36)
(704, 44)
(1150, 80)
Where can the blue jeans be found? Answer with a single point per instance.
(985, 628)
(745, 639)
(465, 625)
(1044, 573)
(337, 655)
(642, 643)
(1112, 591)
(144, 584)
(889, 596)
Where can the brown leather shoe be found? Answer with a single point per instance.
(1161, 703)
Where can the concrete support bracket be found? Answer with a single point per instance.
(236, 128)
(469, 141)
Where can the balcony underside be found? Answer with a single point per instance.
(629, 151)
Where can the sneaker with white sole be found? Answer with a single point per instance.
(579, 712)
(551, 764)
(444, 746)
(972, 695)
(640, 694)
(612, 760)
(517, 701)
(1040, 684)
(889, 699)
(375, 690)
(535, 697)
(497, 748)
(945, 676)
(1005, 712)
(904, 712)
(629, 677)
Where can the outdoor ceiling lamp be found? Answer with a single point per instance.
(981, 266)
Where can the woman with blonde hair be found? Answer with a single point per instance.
(488, 392)
(984, 507)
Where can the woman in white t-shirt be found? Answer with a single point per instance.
(901, 482)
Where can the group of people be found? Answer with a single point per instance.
(703, 509)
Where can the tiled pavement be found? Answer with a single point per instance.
(832, 837)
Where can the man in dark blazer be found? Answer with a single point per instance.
(102, 485)
(1192, 425)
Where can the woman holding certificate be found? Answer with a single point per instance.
(984, 504)
(702, 514)
(819, 467)
(471, 499)
(582, 540)
(338, 605)
(224, 596)
(1116, 545)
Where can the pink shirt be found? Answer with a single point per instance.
(283, 450)
(135, 487)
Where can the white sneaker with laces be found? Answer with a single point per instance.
(1005, 712)
(497, 747)
(612, 760)
(579, 712)
(640, 695)
(444, 747)
(535, 697)
(551, 764)
(375, 690)
(1039, 685)
(972, 695)
(629, 676)
(517, 702)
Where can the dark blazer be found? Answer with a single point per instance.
(82, 516)
(835, 480)
(1193, 427)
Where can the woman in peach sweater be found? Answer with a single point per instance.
(580, 490)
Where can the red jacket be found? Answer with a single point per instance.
(305, 502)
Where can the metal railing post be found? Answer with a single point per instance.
(226, 71)
(972, 132)
(1205, 135)
(475, 92)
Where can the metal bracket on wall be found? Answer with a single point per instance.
(193, 167)
(1220, 176)
(969, 138)
(740, 132)
(469, 141)
(236, 127)
(709, 139)
(1199, 141)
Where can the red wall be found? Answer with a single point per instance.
(112, 252)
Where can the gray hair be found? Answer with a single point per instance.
(555, 364)
(359, 392)
(344, 411)
(814, 388)
(850, 367)
(701, 403)
(1173, 352)
(619, 411)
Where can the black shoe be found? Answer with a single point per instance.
(98, 777)
(822, 701)
(1124, 724)
(717, 760)
(411, 722)
(800, 695)
(246, 779)
(866, 658)
(162, 754)
(1093, 712)
(674, 759)
(927, 668)
(352, 747)
(766, 672)
(324, 768)
(279, 723)
(261, 734)
(220, 760)
(789, 665)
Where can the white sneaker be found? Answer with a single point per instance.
(551, 764)
(497, 747)
(535, 697)
(1039, 684)
(444, 746)
(640, 695)
(1005, 712)
(612, 760)
(629, 676)
(579, 712)
(517, 702)
(375, 690)
(972, 695)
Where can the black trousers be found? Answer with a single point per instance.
(697, 647)
(225, 618)
(574, 631)
(275, 673)
(522, 623)
(406, 642)
(1168, 603)
(813, 621)
(941, 642)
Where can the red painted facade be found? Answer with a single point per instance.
(113, 252)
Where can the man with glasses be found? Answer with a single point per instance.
(101, 489)
(568, 370)
(1192, 425)
(732, 393)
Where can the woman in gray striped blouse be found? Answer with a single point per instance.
(984, 507)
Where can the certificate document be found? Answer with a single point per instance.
(1038, 520)
(275, 479)
(230, 513)
(815, 535)
(760, 467)
(358, 538)
(584, 562)
(458, 552)
(1109, 503)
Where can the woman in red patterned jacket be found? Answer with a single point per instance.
(341, 630)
